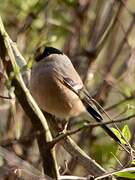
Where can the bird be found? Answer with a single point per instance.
(58, 89)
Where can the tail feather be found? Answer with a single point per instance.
(99, 118)
(86, 99)
(94, 113)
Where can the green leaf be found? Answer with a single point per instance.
(126, 175)
(126, 133)
(123, 141)
(133, 162)
(29, 64)
(16, 69)
(116, 132)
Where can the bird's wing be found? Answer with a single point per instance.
(85, 98)
(79, 89)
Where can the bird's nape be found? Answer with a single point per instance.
(47, 51)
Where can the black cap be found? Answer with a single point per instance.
(48, 51)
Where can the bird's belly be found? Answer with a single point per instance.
(54, 100)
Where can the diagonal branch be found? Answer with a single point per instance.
(85, 126)
(30, 107)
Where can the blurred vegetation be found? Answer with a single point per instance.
(99, 38)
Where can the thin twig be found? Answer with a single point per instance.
(127, 143)
(131, 169)
(5, 97)
(85, 126)
(118, 103)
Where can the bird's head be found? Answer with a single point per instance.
(48, 51)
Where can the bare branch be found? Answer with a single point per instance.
(85, 126)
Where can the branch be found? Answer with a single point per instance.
(30, 107)
(82, 158)
(14, 162)
(130, 169)
(76, 152)
(85, 126)
(118, 103)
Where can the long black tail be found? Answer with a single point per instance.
(99, 118)
(86, 99)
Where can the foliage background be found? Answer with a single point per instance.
(107, 68)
